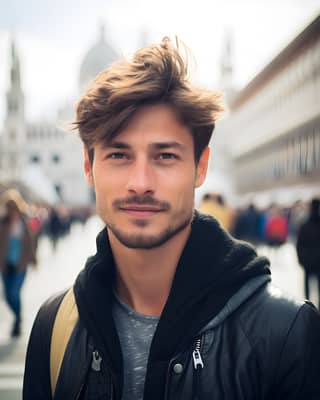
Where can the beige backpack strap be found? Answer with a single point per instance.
(65, 321)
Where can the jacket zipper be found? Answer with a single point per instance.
(96, 361)
(197, 362)
(95, 366)
(198, 366)
(196, 355)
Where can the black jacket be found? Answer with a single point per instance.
(224, 333)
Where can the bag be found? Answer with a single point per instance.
(65, 321)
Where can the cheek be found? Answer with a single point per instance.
(103, 193)
(105, 182)
(185, 191)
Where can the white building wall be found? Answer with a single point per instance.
(59, 156)
(274, 133)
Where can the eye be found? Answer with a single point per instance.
(116, 156)
(168, 156)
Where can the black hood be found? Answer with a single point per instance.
(212, 268)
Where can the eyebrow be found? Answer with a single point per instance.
(167, 145)
(154, 146)
(117, 145)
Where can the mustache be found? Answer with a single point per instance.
(141, 200)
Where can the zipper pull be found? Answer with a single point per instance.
(96, 361)
(196, 355)
(197, 359)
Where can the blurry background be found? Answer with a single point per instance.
(264, 56)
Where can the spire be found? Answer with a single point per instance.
(15, 67)
(226, 63)
(15, 97)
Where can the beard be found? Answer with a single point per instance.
(179, 221)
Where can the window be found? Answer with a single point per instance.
(56, 158)
(35, 159)
(58, 189)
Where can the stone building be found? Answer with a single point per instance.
(45, 156)
(274, 126)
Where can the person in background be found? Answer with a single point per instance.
(276, 227)
(35, 222)
(214, 204)
(54, 227)
(247, 225)
(308, 246)
(297, 216)
(17, 250)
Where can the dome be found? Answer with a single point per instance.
(99, 57)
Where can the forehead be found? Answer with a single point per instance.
(155, 123)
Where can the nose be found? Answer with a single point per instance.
(141, 177)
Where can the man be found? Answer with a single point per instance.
(171, 306)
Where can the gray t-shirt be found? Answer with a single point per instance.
(135, 331)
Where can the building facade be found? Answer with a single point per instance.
(274, 125)
(47, 156)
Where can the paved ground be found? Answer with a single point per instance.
(57, 271)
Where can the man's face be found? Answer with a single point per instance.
(144, 179)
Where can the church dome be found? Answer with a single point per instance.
(99, 57)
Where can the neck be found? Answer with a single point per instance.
(144, 276)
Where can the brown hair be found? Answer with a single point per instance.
(13, 198)
(156, 73)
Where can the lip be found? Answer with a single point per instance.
(141, 211)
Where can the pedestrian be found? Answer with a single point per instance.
(54, 227)
(308, 247)
(35, 223)
(214, 204)
(276, 227)
(297, 216)
(247, 225)
(170, 306)
(16, 253)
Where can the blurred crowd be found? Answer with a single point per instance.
(274, 226)
(55, 222)
(21, 226)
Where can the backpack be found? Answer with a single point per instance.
(65, 321)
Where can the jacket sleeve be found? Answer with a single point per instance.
(298, 375)
(36, 383)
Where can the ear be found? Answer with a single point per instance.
(202, 167)
(87, 167)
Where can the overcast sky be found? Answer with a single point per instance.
(53, 36)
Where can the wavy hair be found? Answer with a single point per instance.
(156, 74)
